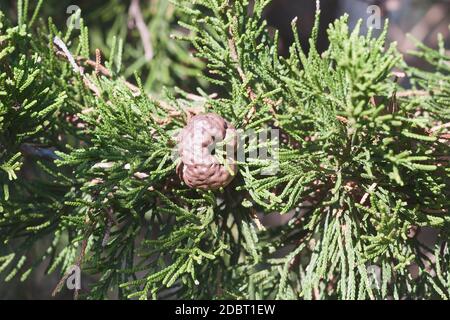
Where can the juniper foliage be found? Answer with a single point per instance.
(87, 163)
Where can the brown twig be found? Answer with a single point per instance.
(410, 93)
(64, 52)
(342, 119)
(137, 20)
(258, 223)
(366, 195)
(439, 127)
(98, 61)
(77, 263)
(80, 63)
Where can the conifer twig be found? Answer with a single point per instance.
(252, 95)
(101, 69)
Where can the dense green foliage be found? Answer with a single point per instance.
(86, 159)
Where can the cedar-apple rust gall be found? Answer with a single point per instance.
(210, 149)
